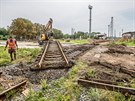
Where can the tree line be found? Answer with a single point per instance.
(23, 28)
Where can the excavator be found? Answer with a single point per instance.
(47, 33)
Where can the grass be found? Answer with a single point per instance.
(63, 89)
(23, 54)
(129, 43)
(76, 41)
(67, 89)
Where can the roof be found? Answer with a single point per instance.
(127, 33)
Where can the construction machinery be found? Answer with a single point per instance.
(47, 32)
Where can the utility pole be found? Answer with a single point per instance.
(119, 34)
(73, 32)
(115, 33)
(134, 38)
(108, 31)
(122, 31)
(90, 8)
(111, 27)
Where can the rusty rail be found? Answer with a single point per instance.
(123, 90)
(41, 60)
(102, 81)
(3, 94)
(61, 50)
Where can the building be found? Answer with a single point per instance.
(101, 36)
(128, 35)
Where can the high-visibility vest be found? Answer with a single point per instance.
(11, 45)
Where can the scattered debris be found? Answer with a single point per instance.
(114, 64)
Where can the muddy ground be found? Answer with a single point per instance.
(106, 62)
(109, 61)
(23, 69)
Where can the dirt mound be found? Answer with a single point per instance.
(114, 48)
(113, 63)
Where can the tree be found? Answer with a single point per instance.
(38, 29)
(4, 32)
(57, 34)
(66, 36)
(21, 27)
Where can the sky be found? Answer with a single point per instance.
(67, 14)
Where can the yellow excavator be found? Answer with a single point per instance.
(47, 32)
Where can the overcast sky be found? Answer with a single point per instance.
(69, 14)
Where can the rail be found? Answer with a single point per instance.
(42, 57)
(3, 94)
(61, 50)
(123, 90)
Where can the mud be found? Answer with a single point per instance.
(76, 50)
(113, 65)
(120, 49)
(34, 77)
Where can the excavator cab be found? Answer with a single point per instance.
(42, 38)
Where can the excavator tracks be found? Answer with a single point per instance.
(52, 56)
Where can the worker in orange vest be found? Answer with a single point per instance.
(12, 44)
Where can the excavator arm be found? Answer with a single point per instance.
(47, 29)
(48, 26)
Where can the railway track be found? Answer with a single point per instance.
(107, 85)
(52, 56)
(8, 87)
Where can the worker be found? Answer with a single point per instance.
(12, 44)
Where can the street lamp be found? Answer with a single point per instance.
(90, 8)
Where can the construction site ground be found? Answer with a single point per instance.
(101, 56)
(103, 61)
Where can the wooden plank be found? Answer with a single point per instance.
(123, 90)
(3, 94)
(26, 92)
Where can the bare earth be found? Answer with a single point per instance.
(101, 57)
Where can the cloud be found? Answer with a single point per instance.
(71, 13)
